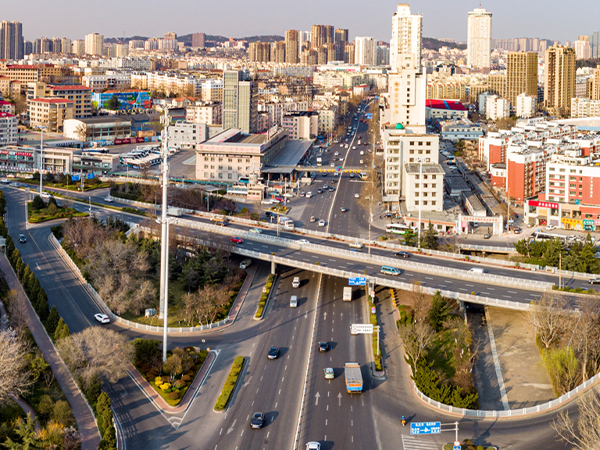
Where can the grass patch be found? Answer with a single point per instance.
(139, 212)
(230, 382)
(262, 302)
(75, 186)
(468, 445)
(577, 290)
(279, 209)
(167, 394)
(51, 212)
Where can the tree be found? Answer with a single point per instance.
(37, 203)
(429, 240)
(419, 300)
(440, 309)
(28, 436)
(81, 132)
(15, 375)
(179, 362)
(410, 237)
(549, 317)
(62, 331)
(416, 338)
(97, 352)
(586, 337)
(113, 103)
(52, 321)
(584, 433)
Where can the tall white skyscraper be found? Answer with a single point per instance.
(479, 38)
(365, 51)
(407, 31)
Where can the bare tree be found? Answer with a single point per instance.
(15, 377)
(419, 300)
(96, 352)
(586, 337)
(549, 317)
(17, 310)
(416, 338)
(583, 434)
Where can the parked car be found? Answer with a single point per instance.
(273, 353)
(257, 421)
(102, 318)
(236, 240)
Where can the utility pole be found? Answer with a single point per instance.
(164, 221)
(420, 201)
(41, 158)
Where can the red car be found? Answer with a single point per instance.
(236, 240)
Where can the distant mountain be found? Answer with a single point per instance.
(209, 38)
(436, 44)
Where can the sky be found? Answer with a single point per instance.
(548, 19)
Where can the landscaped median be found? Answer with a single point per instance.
(373, 321)
(230, 382)
(39, 211)
(264, 297)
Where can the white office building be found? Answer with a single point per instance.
(407, 32)
(479, 38)
(496, 107)
(365, 51)
(526, 105)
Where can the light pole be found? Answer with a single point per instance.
(164, 247)
(41, 157)
(420, 201)
(90, 204)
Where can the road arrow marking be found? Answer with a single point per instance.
(317, 395)
(232, 425)
(340, 399)
(325, 315)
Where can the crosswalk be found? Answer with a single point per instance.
(414, 443)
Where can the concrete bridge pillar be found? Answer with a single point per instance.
(273, 267)
(461, 306)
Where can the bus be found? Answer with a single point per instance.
(396, 228)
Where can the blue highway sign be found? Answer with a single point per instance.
(357, 281)
(425, 428)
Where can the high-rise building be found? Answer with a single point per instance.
(278, 52)
(479, 37)
(198, 40)
(259, 51)
(94, 44)
(171, 35)
(559, 79)
(56, 45)
(349, 53)
(365, 51)
(595, 85)
(239, 101)
(583, 50)
(78, 47)
(292, 46)
(595, 45)
(341, 39)
(407, 31)
(521, 75)
(65, 45)
(321, 35)
(11, 40)
(383, 55)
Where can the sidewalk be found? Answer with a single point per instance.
(86, 422)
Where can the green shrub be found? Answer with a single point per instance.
(229, 384)
(173, 395)
(187, 378)
(179, 384)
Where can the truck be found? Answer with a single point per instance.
(347, 294)
(354, 381)
(177, 212)
(319, 161)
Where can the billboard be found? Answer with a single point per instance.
(127, 100)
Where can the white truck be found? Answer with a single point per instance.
(177, 212)
(347, 297)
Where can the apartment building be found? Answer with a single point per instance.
(97, 128)
(496, 107)
(8, 129)
(301, 125)
(207, 113)
(7, 107)
(526, 170)
(211, 90)
(526, 105)
(559, 79)
(116, 81)
(186, 136)
(479, 36)
(50, 113)
(328, 120)
(584, 107)
(20, 72)
(427, 187)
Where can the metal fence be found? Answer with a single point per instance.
(115, 318)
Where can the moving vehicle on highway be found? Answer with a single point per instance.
(321, 223)
(102, 318)
(294, 301)
(258, 420)
(343, 209)
(319, 161)
(323, 347)
(245, 263)
(22, 238)
(355, 245)
(296, 282)
(313, 446)
(594, 281)
(388, 270)
(236, 240)
(273, 353)
(255, 230)
(402, 254)
(329, 373)
(354, 380)
(347, 296)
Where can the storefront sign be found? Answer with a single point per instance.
(571, 222)
(543, 204)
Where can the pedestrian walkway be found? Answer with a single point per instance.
(86, 422)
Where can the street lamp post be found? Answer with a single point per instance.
(420, 201)
(41, 158)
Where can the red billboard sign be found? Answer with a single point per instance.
(543, 204)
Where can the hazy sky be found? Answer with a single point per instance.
(550, 19)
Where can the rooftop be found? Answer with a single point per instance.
(75, 87)
(51, 100)
(453, 105)
(103, 119)
(427, 168)
(5, 114)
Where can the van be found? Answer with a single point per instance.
(477, 270)
(296, 282)
(293, 301)
(245, 263)
(388, 270)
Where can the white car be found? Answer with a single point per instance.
(255, 230)
(108, 199)
(102, 318)
(361, 161)
(355, 245)
(303, 241)
(357, 195)
(321, 223)
(313, 446)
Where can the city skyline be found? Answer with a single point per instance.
(227, 19)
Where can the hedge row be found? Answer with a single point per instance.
(262, 302)
(375, 323)
(229, 386)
